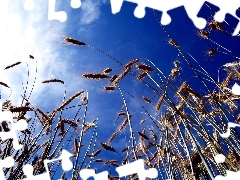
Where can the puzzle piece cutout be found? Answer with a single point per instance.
(66, 166)
(60, 15)
(87, 173)
(137, 167)
(6, 163)
(16, 126)
(192, 8)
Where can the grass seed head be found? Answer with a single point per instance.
(173, 43)
(204, 34)
(119, 78)
(4, 84)
(107, 147)
(212, 52)
(214, 25)
(15, 64)
(31, 57)
(113, 78)
(131, 63)
(113, 136)
(142, 75)
(174, 72)
(143, 135)
(122, 114)
(144, 67)
(160, 100)
(146, 99)
(95, 76)
(176, 64)
(53, 80)
(107, 70)
(109, 88)
(74, 41)
(142, 121)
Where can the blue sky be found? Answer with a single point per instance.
(122, 36)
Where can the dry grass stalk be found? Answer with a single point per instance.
(109, 88)
(5, 126)
(113, 136)
(143, 135)
(212, 52)
(31, 57)
(53, 80)
(226, 82)
(172, 42)
(183, 86)
(176, 64)
(153, 135)
(124, 123)
(115, 165)
(20, 109)
(122, 114)
(192, 92)
(131, 63)
(160, 100)
(44, 116)
(125, 149)
(142, 75)
(146, 100)
(107, 70)
(113, 78)
(98, 160)
(204, 34)
(15, 64)
(142, 121)
(91, 124)
(74, 41)
(48, 129)
(107, 147)
(71, 123)
(124, 73)
(96, 76)
(94, 154)
(214, 25)
(4, 84)
(144, 67)
(180, 105)
(68, 101)
(174, 72)
(82, 97)
(232, 64)
(87, 126)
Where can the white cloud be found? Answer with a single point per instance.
(90, 11)
(26, 33)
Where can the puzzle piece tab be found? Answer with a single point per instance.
(192, 8)
(137, 167)
(87, 173)
(16, 126)
(66, 166)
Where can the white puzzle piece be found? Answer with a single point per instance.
(192, 9)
